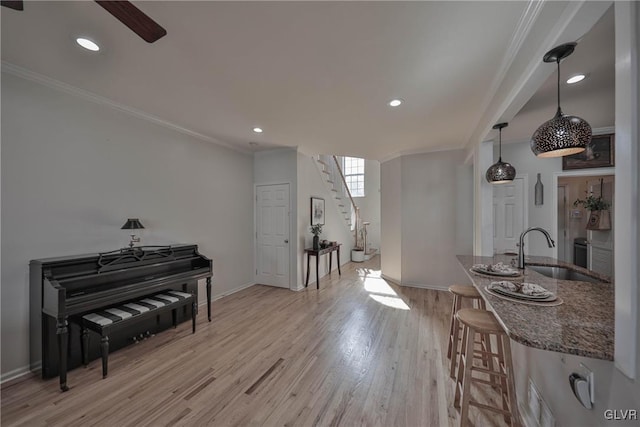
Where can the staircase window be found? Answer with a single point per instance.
(353, 168)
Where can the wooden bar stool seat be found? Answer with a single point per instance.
(500, 374)
(460, 292)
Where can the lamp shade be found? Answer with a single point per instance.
(561, 136)
(132, 224)
(501, 173)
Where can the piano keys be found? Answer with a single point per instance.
(66, 287)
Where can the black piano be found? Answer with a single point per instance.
(64, 288)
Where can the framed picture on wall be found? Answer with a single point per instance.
(599, 154)
(317, 211)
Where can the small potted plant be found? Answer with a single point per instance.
(599, 218)
(316, 230)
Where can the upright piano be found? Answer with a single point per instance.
(65, 287)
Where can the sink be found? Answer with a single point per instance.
(562, 273)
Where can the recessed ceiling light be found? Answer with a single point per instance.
(395, 102)
(257, 130)
(575, 79)
(87, 44)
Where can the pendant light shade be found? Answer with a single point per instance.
(562, 135)
(500, 172)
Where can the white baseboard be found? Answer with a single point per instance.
(232, 291)
(424, 286)
(16, 373)
(391, 279)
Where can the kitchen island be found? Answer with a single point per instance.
(582, 325)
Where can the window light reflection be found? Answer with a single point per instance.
(379, 290)
(378, 286)
(393, 302)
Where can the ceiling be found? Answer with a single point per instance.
(316, 75)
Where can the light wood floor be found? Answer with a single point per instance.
(357, 352)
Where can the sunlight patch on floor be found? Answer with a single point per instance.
(378, 286)
(379, 290)
(393, 302)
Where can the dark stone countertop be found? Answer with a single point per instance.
(582, 325)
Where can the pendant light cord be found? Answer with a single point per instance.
(559, 111)
(500, 145)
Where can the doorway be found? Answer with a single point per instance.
(272, 235)
(592, 249)
(509, 218)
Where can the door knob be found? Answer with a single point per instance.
(286, 240)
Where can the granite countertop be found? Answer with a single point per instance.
(582, 325)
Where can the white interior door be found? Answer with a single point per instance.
(508, 215)
(272, 235)
(600, 243)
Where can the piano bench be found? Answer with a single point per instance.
(112, 319)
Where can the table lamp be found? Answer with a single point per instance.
(133, 224)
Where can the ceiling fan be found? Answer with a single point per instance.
(124, 11)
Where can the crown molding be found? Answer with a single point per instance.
(416, 151)
(522, 30)
(23, 73)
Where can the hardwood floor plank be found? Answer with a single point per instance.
(359, 351)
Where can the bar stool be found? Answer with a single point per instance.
(459, 293)
(484, 322)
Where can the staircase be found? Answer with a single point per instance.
(334, 179)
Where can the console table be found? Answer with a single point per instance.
(316, 253)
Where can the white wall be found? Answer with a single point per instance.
(311, 184)
(73, 171)
(526, 163)
(391, 219)
(436, 218)
(370, 204)
(280, 166)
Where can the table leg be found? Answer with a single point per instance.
(338, 258)
(330, 259)
(306, 283)
(317, 271)
(209, 298)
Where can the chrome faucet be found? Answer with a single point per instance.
(550, 242)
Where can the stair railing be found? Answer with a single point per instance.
(356, 209)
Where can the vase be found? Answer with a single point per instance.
(316, 243)
(599, 220)
(539, 189)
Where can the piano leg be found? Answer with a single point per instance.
(62, 331)
(104, 350)
(194, 307)
(209, 298)
(85, 346)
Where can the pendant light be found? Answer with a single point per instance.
(562, 135)
(500, 172)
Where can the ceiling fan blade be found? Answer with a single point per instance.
(15, 5)
(135, 19)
